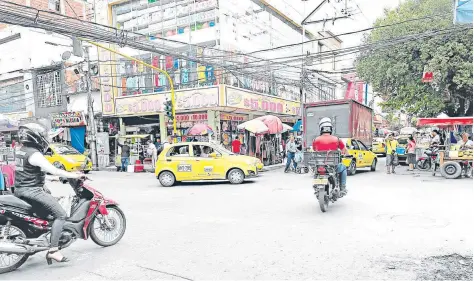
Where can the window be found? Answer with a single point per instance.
(49, 151)
(179, 151)
(202, 150)
(354, 145)
(54, 5)
(362, 146)
(49, 89)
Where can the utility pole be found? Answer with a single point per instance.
(92, 128)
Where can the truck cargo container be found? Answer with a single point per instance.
(350, 119)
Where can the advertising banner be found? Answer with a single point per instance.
(68, 119)
(257, 102)
(198, 98)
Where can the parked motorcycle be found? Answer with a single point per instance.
(426, 162)
(26, 231)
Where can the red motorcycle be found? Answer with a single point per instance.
(428, 160)
(25, 231)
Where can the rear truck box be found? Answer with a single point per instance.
(350, 119)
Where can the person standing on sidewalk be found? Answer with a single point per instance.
(125, 156)
(236, 144)
(411, 159)
(290, 152)
(391, 146)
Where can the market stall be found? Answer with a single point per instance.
(454, 156)
(264, 139)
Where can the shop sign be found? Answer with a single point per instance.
(153, 103)
(287, 120)
(68, 119)
(232, 117)
(191, 117)
(257, 102)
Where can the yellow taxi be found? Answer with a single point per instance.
(378, 146)
(362, 157)
(193, 161)
(66, 157)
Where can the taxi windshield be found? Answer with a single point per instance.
(66, 150)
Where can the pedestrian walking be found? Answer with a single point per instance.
(391, 146)
(125, 156)
(152, 152)
(291, 148)
(411, 158)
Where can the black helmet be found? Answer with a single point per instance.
(33, 135)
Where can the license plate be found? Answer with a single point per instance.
(320, 181)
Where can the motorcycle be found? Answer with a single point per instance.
(425, 163)
(326, 182)
(27, 231)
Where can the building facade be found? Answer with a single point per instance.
(207, 85)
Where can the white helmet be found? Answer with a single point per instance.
(325, 125)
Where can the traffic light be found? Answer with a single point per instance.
(169, 109)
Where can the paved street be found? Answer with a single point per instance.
(388, 227)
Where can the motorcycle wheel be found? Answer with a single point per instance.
(306, 170)
(15, 260)
(423, 165)
(99, 232)
(323, 202)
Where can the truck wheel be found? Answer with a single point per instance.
(451, 170)
(352, 168)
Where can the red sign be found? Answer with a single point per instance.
(427, 77)
(231, 117)
(191, 117)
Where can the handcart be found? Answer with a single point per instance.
(301, 166)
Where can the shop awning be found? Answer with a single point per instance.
(445, 121)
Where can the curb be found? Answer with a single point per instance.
(273, 167)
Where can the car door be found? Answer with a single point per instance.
(366, 154)
(179, 161)
(357, 153)
(206, 166)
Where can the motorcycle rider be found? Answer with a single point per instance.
(30, 173)
(327, 142)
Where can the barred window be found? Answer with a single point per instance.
(49, 89)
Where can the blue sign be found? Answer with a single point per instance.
(463, 11)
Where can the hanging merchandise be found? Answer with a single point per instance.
(184, 76)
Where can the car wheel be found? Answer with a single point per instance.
(86, 172)
(167, 179)
(373, 167)
(352, 168)
(236, 176)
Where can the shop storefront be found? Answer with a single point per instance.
(222, 107)
(74, 128)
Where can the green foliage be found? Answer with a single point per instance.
(395, 72)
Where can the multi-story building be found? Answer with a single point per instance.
(37, 73)
(215, 77)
